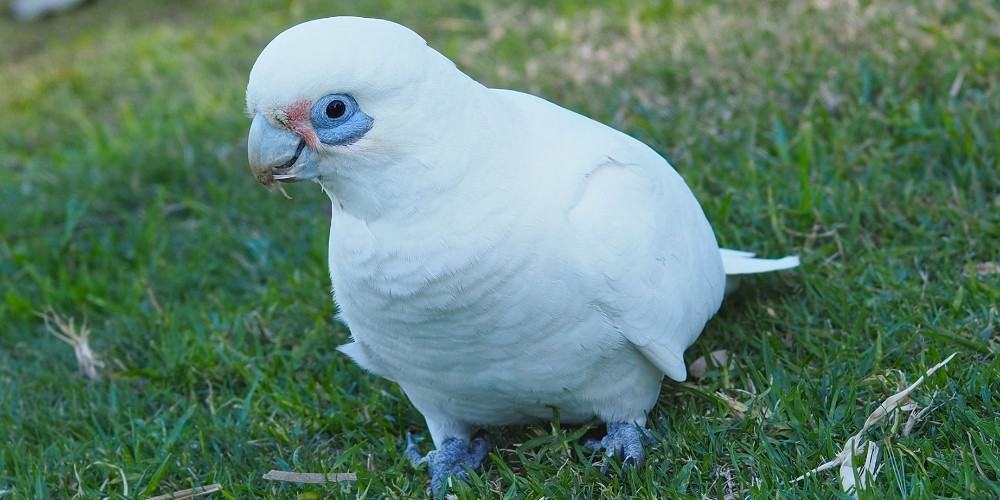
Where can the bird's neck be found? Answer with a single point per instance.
(397, 190)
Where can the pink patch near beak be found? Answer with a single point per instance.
(297, 120)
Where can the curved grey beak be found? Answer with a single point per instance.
(274, 153)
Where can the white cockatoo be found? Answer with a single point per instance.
(496, 255)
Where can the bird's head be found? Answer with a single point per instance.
(342, 96)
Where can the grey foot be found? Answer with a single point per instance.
(454, 458)
(624, 441)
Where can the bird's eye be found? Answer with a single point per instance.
(338, 119)
(336, 109)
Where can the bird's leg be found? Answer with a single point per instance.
(454, 458)
(624, 441)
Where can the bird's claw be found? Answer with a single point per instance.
(454, 459)
(624, 441)
(413, 452)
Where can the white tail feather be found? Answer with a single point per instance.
(736, 262)
(727, 253)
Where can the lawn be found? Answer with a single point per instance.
(864, 136)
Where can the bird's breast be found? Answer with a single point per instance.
(402, 282)
(461, 305)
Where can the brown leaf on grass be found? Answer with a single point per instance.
(310, 477)
(699, 366)
(191, 493)
(987, 268)
(65, 329)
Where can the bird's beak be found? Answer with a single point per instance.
(276, 153)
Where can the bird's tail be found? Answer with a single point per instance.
(736, 263)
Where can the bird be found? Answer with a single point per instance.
(499, 257)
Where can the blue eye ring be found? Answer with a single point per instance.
(338, 120)
(332, 110)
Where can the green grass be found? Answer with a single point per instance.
(865, 138)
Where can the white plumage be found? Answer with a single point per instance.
(495, 254)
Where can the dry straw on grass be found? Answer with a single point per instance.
(854, 479)
(191, 493)
(310, 477)
(65, 329)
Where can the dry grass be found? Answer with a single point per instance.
(856, 479)
(66, 330)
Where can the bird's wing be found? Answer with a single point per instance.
(649, 256)
(634, 233)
